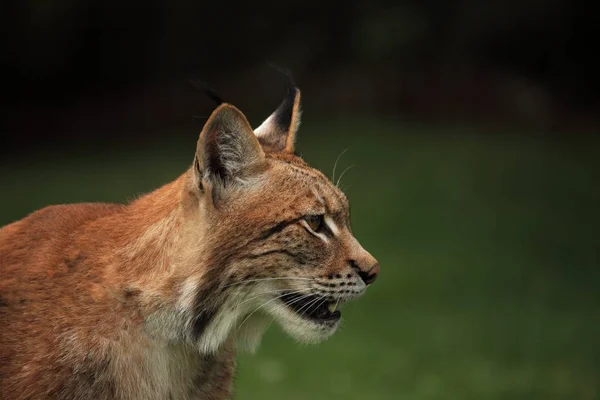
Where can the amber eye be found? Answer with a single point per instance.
(315, 222)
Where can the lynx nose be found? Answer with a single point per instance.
(369, 275)
(363, 263)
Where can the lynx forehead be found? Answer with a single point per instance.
(150, 300)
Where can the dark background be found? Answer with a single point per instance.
(73, 69)
(471, 130)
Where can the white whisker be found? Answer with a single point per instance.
(267, 279)
(342, 175)
(336, 162)
(300, 298)
(308, 305)
(323, 300)
(269, 324)
(273, 292)
(258, 308)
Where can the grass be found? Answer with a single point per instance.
(489, 247)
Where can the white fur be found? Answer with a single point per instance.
(247, 316)
(228, 321)
(189, 291)
(332, 226)
(265, 127)
(250, 334)
(300, 328)
(218, 331)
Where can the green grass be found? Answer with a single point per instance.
(489, 247)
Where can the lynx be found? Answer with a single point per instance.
(152, 299)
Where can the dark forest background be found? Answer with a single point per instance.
(77, 69)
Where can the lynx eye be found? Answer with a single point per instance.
(315, 222)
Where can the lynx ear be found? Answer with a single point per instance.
(227, 149)
(278, 132)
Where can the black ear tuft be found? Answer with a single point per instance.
(284, 113)
(278, 132)
(206, 89)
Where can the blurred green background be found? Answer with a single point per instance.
(488, 245)
(472, 129)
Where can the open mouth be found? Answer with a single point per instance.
(315, 308)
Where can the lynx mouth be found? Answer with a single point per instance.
(314, 308)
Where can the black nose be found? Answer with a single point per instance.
(367, 276)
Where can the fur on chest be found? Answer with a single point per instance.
(139, 369)
(161, 372)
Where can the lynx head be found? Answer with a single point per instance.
(273, 234)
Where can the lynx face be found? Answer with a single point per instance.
(302, 262)
(279, 231)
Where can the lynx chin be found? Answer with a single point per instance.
(152, 299)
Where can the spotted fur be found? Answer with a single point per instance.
(151, 300)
